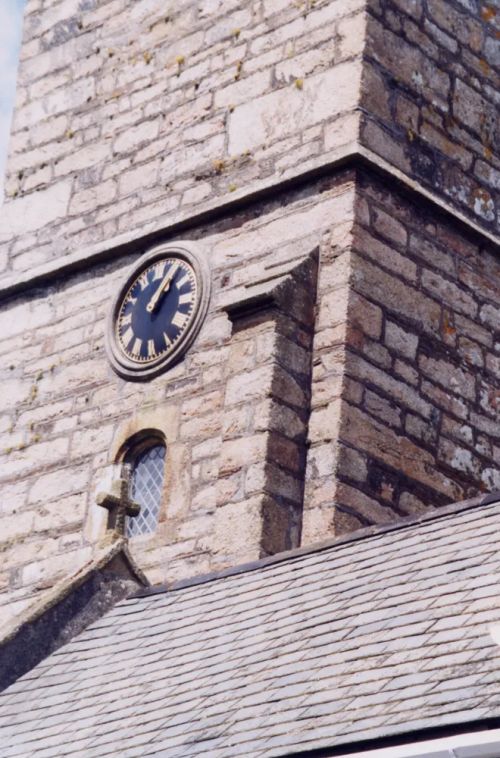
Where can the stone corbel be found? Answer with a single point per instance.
(275, 289)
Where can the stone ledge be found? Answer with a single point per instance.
(273, 289)
(349, 156)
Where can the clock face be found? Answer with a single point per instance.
(158, 311)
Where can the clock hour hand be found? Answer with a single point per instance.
(163, 287)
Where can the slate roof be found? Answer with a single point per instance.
(374, 636)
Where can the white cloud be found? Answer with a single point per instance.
(10, 34)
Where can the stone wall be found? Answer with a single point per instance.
(64, 414)
(129, 116)
(404, 393)
(431, 81)
(265, 416)
(407, 372)
(268, 130)
(132, 114)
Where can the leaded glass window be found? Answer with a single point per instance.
(146, 485)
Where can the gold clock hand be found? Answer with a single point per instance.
(163, 287)
(152, 303)
(173, 272)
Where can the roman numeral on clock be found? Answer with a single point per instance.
(186, 278)
(126, 320)
(187, 297)
(179, 319)
(151, 349)
(128, 336)
(136, 347)
(159, 270)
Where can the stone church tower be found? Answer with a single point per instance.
(326, 174)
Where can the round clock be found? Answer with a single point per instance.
(158, 310)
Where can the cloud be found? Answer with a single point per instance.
(10, 34)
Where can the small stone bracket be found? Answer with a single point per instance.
(276, 289)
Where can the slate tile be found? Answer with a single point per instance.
(366, 639)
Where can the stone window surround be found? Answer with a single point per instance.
(144, 426)
(145, 436)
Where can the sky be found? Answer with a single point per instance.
(11, 12)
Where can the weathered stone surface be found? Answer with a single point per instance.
(411, 342)
(27, 214)
(293, 109)
(191, 109)
(387, 382)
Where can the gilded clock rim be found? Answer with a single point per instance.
(193, 255)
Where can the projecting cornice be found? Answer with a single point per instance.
(349, 157)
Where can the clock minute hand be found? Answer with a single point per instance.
(163, 287)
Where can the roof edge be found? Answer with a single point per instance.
(318, 547)
(67, 608)
(402, 739)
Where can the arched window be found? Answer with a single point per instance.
(147, 468)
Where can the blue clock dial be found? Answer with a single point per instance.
(156, 310)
